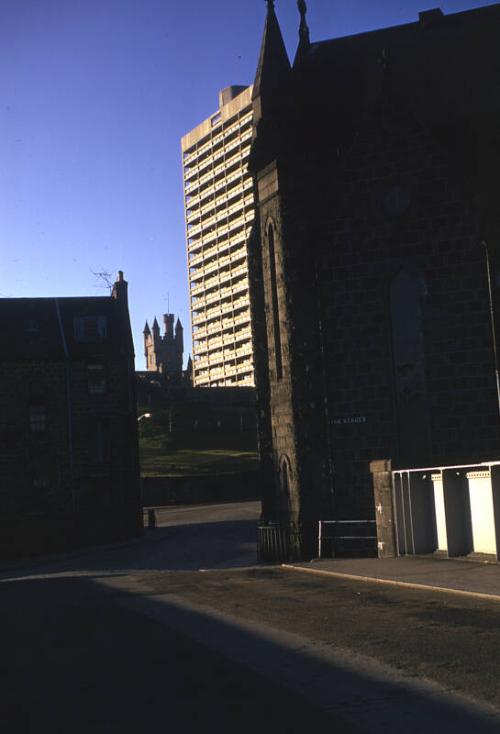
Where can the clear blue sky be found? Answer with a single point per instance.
(95, 96)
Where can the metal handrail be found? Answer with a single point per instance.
(343, 537)
(442, 468)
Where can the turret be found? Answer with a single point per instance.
(179, 331)
(147, 339)
(188, 375)
(168, 320)
(179, 345)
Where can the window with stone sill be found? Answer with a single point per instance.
(96, 379)
(275, 303)
(31, 326)
(38, 419)
(39, 483)
(90, 328)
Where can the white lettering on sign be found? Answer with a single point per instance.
(349, 420)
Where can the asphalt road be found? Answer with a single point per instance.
(186, 538)
(142, 637)
(76, 659)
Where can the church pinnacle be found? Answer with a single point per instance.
(304, 41)
(303, 29)
(273, 65)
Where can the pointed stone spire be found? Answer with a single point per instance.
(273, 68)
(147, 330)
(156, 328)
(304, 41)
(179, 340)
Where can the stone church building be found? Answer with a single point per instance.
(374, 259)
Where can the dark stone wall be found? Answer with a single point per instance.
(188, 490)
(377, 158)
(396, 201)
(261, 373)
(77, 481)
(430, 226)
(28, 535)
(279, 387)
(296, 397)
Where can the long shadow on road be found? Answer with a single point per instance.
(186, 547)
(74, 660)
(86, 654)
(85, 648)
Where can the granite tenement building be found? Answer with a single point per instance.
(219, 208)
(69, 467)
(374, 258)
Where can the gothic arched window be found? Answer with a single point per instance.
(275, 303)
(285, 475)
(407, 297)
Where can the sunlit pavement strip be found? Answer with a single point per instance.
(235, 565)
(393, 582)
(455, 579)
(360, 690)
(60, 575)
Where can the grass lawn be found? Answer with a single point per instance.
(220, 448)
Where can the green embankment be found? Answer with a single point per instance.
(197, 439)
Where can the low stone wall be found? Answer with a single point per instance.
(24, 536)
(191, 490)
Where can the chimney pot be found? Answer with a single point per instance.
(430, 18)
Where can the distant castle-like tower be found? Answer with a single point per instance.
(164, 354)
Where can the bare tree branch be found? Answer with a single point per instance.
(104, 279)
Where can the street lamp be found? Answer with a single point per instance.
(151, 521)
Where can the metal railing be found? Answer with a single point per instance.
(278, 543)
(353, 533)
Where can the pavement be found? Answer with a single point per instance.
(186, 537)
(356, 690)
(463, 577)
(128, 637)
(236, 547)
(75, 660)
